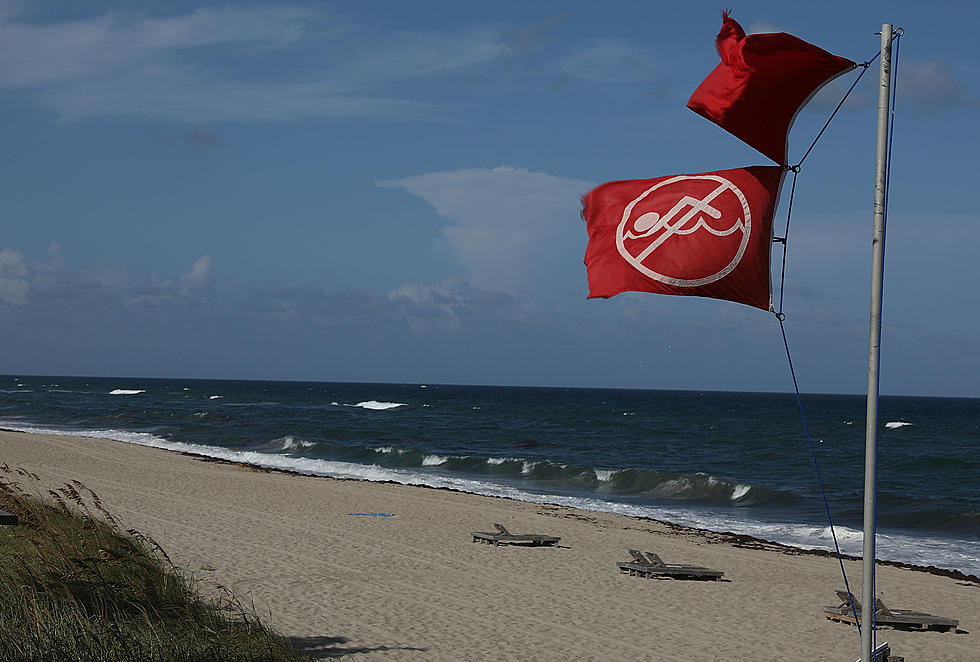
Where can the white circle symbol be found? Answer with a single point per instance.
(685, 217)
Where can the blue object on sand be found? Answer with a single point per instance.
(372, 514)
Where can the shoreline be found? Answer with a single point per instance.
(727, 537)
(414, 587)
(926, 544)
(731, 537)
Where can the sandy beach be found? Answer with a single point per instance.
(414, 586)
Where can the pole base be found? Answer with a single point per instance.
(883, 653)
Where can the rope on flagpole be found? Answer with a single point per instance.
(865, 66)
(780, 316)
(782, 240)
(891, 129)
(796, 171)
(816, 466)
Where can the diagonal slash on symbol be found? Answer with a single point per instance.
(669, 225)
(697, 207)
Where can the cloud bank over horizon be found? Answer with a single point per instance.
(53, 306)
(511, 229)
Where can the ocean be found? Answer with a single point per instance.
(722, 461)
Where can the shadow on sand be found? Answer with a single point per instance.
(331, 647)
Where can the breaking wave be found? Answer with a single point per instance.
(696, 500)
(290, 443)
(557, 476)
(892, 425)
(378, 406)
(127, 391)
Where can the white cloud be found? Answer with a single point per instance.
(454, 304)
(924, 88)
(12, 263)
(187, 96)
(608, 62)
(512, 229)
(14, 285)
(34, 54)
(178, 68)
(413, 55)
(932, 85)
(199, 271)
(764, 27)
(19, 277)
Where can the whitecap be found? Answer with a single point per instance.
(528, 467)
(433, 460)
(740, 491)
(384, 449)
(290, 443)
(215, 397)
(845, 535)
(604, 474)
(376, 405)
(892, 425)
(126, 391)
(496, 460)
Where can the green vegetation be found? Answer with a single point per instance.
(75, 587)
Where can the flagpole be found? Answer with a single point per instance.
(877, 271)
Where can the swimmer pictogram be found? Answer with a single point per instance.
(668, 212)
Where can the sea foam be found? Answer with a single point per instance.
(921, 550)
(891, 425)
(740, 491)
(376, 405)
(291, 443)
(127, 391)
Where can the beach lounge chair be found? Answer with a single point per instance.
(503, 536)
(653, 567)
(899, 619)
(638, 557)
(7, 519)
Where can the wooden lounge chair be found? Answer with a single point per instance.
(503, 536)
(653, 567)
(638, 557)
(899, 619)
(7, 519)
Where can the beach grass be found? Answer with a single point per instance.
(74, 585)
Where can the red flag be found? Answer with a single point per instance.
(705, 235)
(761, 83)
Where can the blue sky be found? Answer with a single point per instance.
(389, 191)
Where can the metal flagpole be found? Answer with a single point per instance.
(877, 269)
